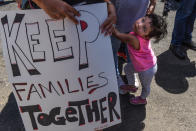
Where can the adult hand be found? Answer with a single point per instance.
(58, 9)
(151, 7)
(108, 25)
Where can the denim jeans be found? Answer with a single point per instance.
(115, 47)
(144, 76)
(184, 22)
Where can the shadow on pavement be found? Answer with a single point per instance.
(7, 2)
(132, 116)
(10, 119)
(172, 73)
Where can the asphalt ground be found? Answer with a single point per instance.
(171, 104)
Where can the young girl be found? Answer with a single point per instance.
(143, 60)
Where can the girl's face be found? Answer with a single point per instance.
(143, 27)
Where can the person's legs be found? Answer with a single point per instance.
(115, 47)
(190, 24)
(129, 72)
(182, 16)
(178, 35)
(189, 29)
(127, 53)
(129, 61)
(130, 75)
(145, 79)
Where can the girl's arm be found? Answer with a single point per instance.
(128, 39)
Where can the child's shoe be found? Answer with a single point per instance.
(128, 88)
(138, 101)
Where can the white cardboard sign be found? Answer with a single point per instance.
(62, 74)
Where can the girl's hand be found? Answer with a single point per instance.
(115, 32)
(108, 25)
(151, 7)
(58, 9)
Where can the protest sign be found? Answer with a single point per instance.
(62, 74)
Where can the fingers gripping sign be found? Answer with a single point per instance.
(88, 32)
(58, 9)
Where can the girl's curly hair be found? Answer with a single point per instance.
(159, 26)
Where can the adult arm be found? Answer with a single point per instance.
(107, 26)
(58, 9)
(151, 7)
(127, 39)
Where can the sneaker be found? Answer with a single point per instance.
(138, 101)
(129, 88)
